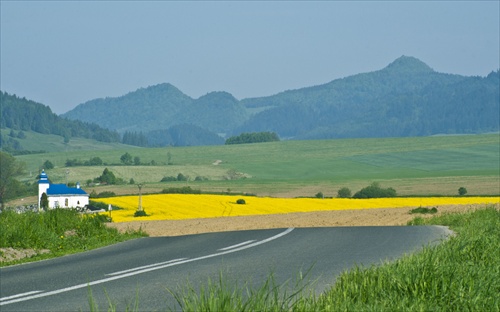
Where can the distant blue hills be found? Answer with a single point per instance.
(406, 98)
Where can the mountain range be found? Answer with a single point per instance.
(406, 98)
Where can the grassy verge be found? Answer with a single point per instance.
(55, 233)
(460, 274)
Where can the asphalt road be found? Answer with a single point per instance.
(140, 271)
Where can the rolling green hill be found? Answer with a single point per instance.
(51, 143)
(413, 166)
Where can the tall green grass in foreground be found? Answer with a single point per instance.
(461, 274)
(58, 231)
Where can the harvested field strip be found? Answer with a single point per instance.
(182, 207)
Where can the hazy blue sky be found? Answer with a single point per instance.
(62, 54)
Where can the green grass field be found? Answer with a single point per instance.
(413, 166)
(54, 143)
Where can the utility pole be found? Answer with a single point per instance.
(140, 197)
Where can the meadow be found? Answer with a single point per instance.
(421, 166)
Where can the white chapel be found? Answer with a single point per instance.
(60, 195)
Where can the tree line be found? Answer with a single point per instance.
(255, 137)
(26, 115)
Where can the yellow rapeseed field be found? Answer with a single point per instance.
(182, 206)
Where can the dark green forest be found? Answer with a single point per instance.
(256, 137)
(20, 114)
(406, 98)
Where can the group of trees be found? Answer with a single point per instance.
(93, 161)
(108, 177)
(372, 191)
(135, 138)
(180, 177)
(255, 137)
(127, 159)
(10, 144)
(376, 191)
(10, 187)
(20, 114)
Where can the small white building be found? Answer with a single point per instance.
(60, 195)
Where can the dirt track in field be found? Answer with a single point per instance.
(364, 217)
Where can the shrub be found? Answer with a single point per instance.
(44, 201)
(319, 195)
(424, 210)
(126, 159)
(168, 179)
(140, 213)
(241, 201)
(137, 161)
(95, 205)
(48, 165)
(103, 194)
(344, 193)
(181, 177)
(180, 190)
(375, 191)
(107, 177)
(462, 191)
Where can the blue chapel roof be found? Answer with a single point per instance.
(63, 189)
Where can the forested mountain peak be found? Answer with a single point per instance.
(405, 98)
(218, 96)
(141, 110)
(219, 112)
(162, 88)
(408, 64)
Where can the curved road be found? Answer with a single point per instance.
(145, 268)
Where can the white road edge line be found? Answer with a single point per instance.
(140, 271)
(237, 245)
(144, 267)
(21, 295)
